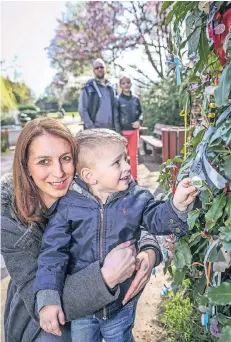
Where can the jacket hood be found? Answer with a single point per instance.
(93, 80)
(7, 192)
(81, 187)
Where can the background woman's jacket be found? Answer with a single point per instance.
(129, 111)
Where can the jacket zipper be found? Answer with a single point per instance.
(101, 248)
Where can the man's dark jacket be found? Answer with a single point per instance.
(92, 89)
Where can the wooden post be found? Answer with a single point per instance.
(165, 148)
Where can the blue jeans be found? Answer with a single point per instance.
(116, 329)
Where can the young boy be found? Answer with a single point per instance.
(130, 117)
(105, 207)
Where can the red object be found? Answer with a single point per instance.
(219, 38)
(133, 139)
(226, 189)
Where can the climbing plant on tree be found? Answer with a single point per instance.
(204, 255)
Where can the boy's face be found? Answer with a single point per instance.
(125, 84)
(112, 171)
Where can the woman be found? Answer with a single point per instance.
(130, 117)
(48, 148)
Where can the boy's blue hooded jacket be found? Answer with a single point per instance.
(81, 231)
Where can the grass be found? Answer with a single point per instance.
(57, 115)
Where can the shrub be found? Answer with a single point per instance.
(159, 107)
(23, 108)
(7, 119)
(4, 140)
(181, 320)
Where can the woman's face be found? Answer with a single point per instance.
(51, 166)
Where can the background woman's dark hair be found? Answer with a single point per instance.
(27, 200)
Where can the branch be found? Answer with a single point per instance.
(142, 73)
(148, 53)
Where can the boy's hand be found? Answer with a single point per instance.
(50, 317)
(184, 195)
(136, 124)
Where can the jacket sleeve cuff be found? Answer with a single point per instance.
(47, 297)
(49, 282)
(174, 219)
(183, 215)
(92, 296)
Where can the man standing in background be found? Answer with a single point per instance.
(97, 105)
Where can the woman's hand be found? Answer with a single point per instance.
(136, 124)
(145, 262)
(119, 264)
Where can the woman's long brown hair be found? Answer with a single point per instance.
(27, 199)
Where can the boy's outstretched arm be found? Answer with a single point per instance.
(170, 217)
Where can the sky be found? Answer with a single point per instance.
(26, 29)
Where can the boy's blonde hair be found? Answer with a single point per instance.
(91, 142)
(124, 77)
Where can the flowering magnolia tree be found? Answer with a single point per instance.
(106, 29)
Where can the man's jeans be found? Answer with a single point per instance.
(116, 329)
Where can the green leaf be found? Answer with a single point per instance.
(227, 168)
(166, 5)
(195, 141)
(203, 300)
(226, 245)
(228, 213)
(196, 239)
(192, 217)
(215, 212)
(179, 276)
(194, 236)
(182, 254)
(203, 47)
(205, 199)
(225, 335)
(224, 320)
(169, 17)
(199, 288)
(214, 255)
(225, 233)
(220, 295)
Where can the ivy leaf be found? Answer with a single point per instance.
(225, 335)
(215, 212)
(220, 295)
(182, 254)
(192, 217)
